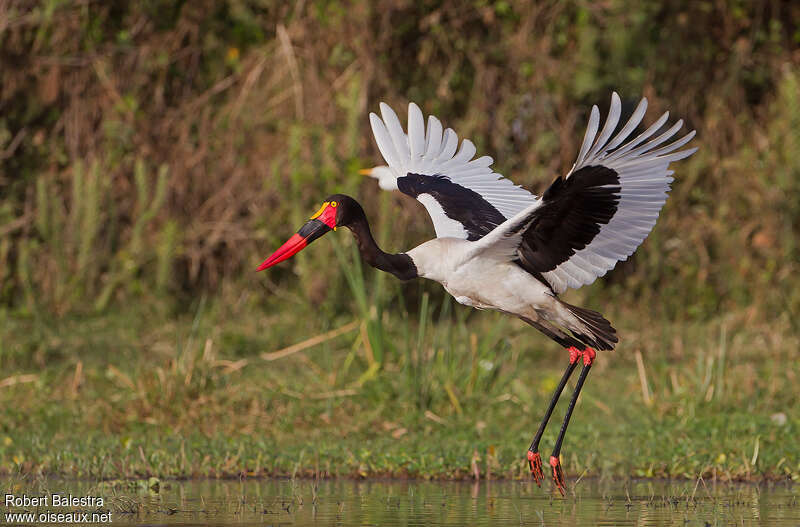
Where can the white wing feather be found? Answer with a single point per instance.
(431, 151)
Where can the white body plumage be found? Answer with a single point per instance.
(487, 281)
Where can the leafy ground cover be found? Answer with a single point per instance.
(228, 391)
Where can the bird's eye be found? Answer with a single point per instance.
(334, 204)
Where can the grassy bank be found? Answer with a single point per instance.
(140, 393)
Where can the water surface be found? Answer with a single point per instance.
(394, 503)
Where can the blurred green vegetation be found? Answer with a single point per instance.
(162, 148)
(153, 153)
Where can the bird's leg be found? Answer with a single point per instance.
(534, 459)
(558, 473)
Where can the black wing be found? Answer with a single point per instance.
(572, 212)
(602, 210)
(459, 203)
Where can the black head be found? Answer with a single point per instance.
(346, 210)
(338, 210)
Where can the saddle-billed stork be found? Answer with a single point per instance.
(498, 246)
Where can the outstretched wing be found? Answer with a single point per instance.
(464, 197)
(602, 210)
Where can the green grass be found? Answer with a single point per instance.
(145, 393)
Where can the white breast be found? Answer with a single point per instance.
(438, 258)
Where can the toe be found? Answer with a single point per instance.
(535, 463)
(558, 475)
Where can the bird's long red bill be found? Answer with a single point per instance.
(309, 232)
(293, 245)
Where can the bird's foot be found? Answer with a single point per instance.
(535, 462)
(558, 475)
(588, 355)
(574, 354)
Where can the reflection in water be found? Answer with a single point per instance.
(385, 502)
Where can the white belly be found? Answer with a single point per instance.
(488, 284)
(483, 283)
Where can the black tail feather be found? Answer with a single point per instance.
(562, 338)
(602, 335)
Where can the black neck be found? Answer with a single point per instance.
(401, 265)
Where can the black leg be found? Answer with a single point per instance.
(534, 459)
(558, 472)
